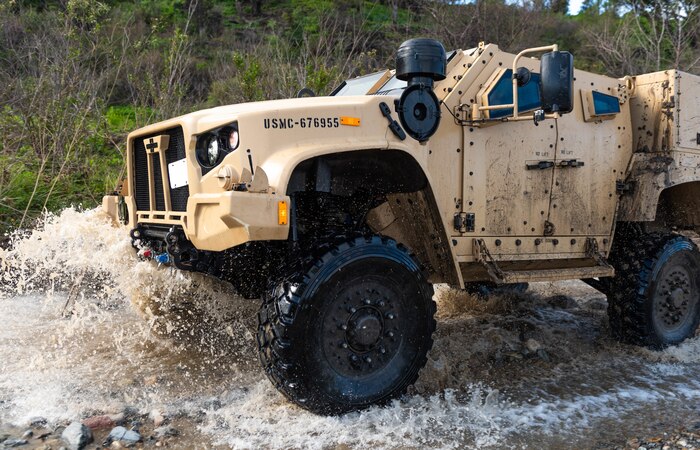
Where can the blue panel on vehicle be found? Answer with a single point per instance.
(502, 93)
(604, 104)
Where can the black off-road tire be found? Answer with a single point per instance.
(348, 328)
(654, 298)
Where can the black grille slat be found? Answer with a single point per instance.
(158, 182)
(176, 152)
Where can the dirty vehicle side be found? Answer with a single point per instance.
(475, 168)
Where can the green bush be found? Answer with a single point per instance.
(79, 75)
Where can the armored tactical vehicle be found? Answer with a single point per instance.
(472, 168)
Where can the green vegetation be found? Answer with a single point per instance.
(77, 75)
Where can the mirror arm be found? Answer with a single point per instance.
(552, 48)
(523, 118)
(475, 112)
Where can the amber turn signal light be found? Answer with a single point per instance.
(282, 213)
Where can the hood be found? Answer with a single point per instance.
(206, 119)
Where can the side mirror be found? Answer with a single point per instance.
(557, 78)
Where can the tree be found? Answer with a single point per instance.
(650, 35)
(559, 6)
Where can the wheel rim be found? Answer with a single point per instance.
(361, 331)
(676, 298)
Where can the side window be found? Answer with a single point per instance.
(605, 104)
(598, 106)
(502, 93)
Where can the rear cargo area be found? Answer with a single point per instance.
(665, 112)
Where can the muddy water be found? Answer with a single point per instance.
(86, 328)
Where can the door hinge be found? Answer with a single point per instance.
(622, 187)
(465, 222)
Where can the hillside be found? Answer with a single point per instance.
(78, 75)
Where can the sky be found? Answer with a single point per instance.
(574, 6)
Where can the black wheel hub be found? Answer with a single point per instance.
(675, 299)
(362, 333)
(365, 328)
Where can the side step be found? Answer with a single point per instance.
(600, 269)
(575, 273)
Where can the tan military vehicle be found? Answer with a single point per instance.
(475, 168)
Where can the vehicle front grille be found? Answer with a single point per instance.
(175, 152)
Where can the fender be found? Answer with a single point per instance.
(650, 174)
(282, 164)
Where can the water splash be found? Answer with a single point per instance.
(88, 327)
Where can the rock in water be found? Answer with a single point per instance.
(124, 435)
(77, 436)
(118, 418)
(37, 421)
(533, 346)
(97, 422)
(157, 418)
(165, 431)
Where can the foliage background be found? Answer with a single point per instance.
(77, 75)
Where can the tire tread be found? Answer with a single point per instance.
(278, 313)
(634, 256)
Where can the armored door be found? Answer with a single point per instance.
(592, 148)
(509, 166)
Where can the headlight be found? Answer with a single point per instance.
(232, 139)
(214, 145)
(213, 150)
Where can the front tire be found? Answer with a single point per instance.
(654, 299)
(349, 328)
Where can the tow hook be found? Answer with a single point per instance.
(162, 258)
(147, 253)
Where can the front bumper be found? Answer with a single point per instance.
(214, 222)
(220, 221)
(110, 205)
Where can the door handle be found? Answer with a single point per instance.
(571, 163)
(539, 165)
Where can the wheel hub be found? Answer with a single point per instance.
(365, 329)
(674, 299)
(677, 297)
(363, 334)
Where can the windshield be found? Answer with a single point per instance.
(393, 83)
(359, 85)
(362, 85)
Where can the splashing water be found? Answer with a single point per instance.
(89, 328)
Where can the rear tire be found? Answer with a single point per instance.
(654, 299)
(349, 328)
